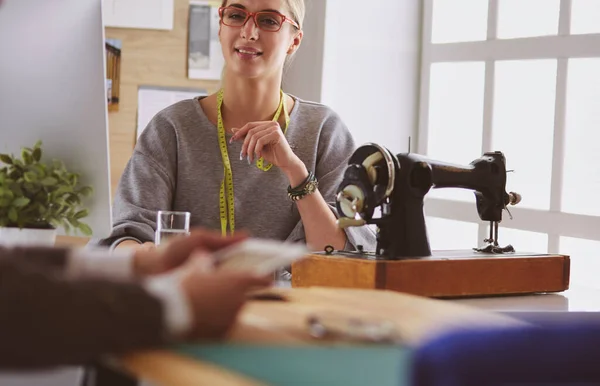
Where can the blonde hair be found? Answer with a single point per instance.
(297, 10)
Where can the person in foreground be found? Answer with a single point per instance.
(248, 156)
(70, 306)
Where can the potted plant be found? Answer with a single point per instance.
(36, 198)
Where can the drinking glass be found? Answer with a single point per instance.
(169, 224)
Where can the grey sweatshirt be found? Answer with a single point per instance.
(176, 165)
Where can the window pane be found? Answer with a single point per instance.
(455, 117)
(526, 18)
(584, 16)
(523, 126)
(459, 21)
(585, 260)
(581, 174)
(522, 241)
(447, 234)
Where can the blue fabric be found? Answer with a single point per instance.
(554, 354)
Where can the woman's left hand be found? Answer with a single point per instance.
(266, 139)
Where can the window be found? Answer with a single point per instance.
(522, 77)
(527, 18)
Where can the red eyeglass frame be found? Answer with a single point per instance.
(253, 16)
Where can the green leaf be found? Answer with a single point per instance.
(61, 202)
(40, 170)
(49, 181)
(67, 227)
(6, 192)
(6, 159)
(16, 189)
(37, 154)
(41, 210)
(73, 200)
(81, 214)
(37, 194)
(86, 191)
(21, 202)
(21, 223)
(26, 155)
(31, 188)
(62, 190)
(85, 229)
(30, 176)
(12, 214)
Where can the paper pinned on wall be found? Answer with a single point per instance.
(143, 14)
(205, 58)
(152, 100)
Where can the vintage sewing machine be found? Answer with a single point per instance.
(387, 191)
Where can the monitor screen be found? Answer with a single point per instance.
(52, 88)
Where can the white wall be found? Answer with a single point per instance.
(362, 58)
(371, 68)
(304, 76)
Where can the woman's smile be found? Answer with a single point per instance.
(247, 53)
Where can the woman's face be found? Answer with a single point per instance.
(251, 51)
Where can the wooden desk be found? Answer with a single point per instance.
(283, 324)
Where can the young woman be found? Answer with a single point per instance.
(249, 157)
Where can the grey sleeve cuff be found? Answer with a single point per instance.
(120, 240)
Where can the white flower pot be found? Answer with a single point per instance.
(10, 237)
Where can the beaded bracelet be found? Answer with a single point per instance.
(307, 187)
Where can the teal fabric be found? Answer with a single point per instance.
(377, 365)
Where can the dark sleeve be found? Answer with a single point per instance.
(47, 321)
(146, 186)
(44, 258)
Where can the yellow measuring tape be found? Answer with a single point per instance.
(226, 205)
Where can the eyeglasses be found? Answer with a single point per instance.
(265, 20)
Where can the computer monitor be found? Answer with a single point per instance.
(52, 88)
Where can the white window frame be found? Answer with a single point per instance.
(562, 47)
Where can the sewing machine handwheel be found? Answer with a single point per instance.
(379, 165)
(368, 181)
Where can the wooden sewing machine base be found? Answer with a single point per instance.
(446, 274)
